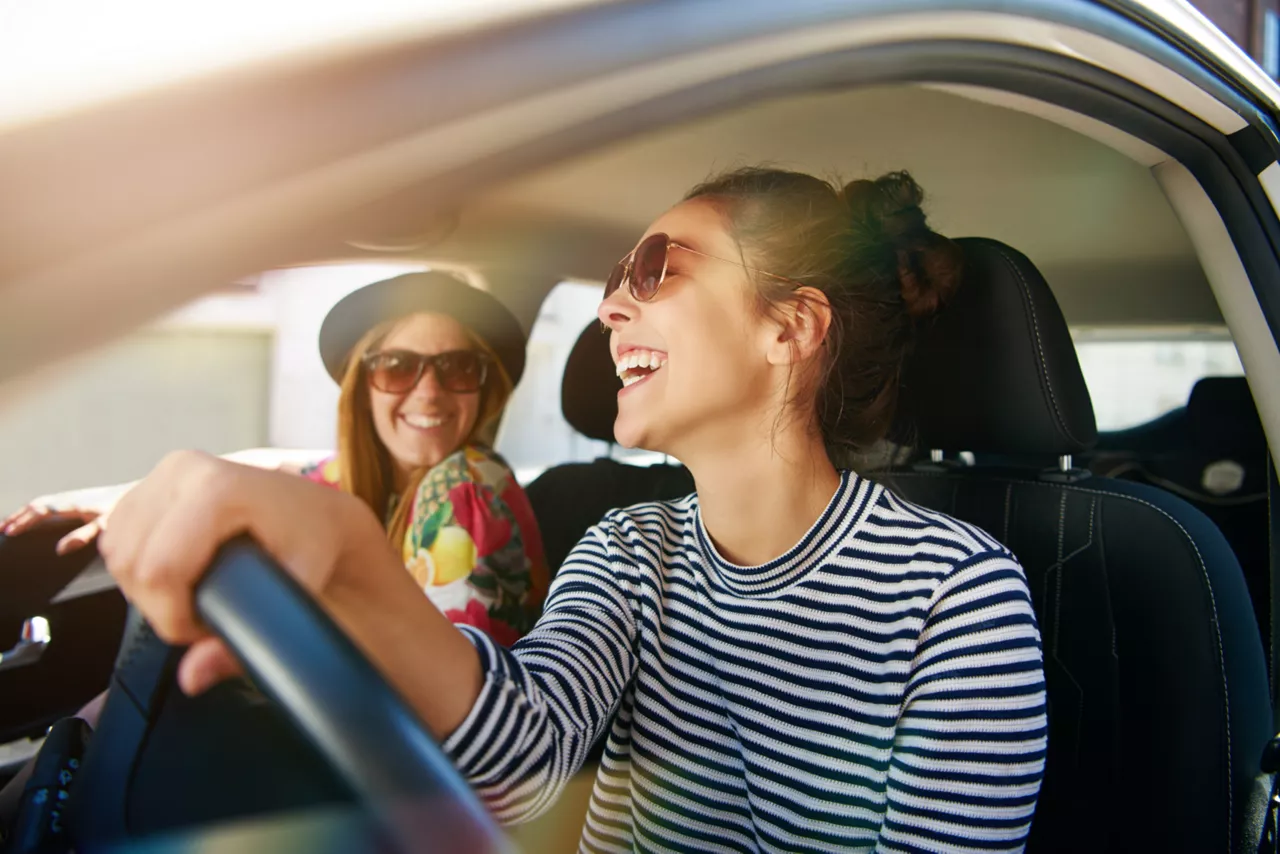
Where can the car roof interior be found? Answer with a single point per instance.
(1076, 196)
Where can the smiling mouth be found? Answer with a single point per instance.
(638, 365)
(423, 422)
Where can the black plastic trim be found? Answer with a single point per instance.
(1205, 59)
(1252, 146)
(1273, 534)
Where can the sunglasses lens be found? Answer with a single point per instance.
(615, 278)
(394, 373)
(461, 371)
(650, 266)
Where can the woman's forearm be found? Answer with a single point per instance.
(428, 661)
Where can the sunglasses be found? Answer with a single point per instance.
(399, 371)
(644, 269)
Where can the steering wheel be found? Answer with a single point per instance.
(328, 689)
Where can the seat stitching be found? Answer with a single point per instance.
(1055, 573)
(1060, 570)
(1093, 511)
(1040, 360)
(1213, 605)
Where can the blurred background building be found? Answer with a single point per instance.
(1252, 24)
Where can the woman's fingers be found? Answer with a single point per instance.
(163, 534)
(25, 519)
(80, 537)
(35, 514)
(205, 664)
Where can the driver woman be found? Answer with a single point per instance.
(793, 658)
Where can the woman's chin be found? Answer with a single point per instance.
(418, 457)
(632, 434)
(626, 432)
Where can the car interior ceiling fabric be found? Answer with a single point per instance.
(1158, 693)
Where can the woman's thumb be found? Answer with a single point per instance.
(206, 663)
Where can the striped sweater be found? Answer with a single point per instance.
(879, 687)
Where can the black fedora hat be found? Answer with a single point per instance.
(433, 292)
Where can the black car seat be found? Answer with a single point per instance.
(568, 499)
(1158, 695)
(1159, 705)
(1213, 453)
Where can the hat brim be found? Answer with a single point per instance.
(432, 292)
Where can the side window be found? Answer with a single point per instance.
(1134, 376)
(534, 435)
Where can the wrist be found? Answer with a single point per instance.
(362, 545)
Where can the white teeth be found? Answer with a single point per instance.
(423, 422)
(647, 359)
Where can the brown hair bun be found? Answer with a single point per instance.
(929, 265)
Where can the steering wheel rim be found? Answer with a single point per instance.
(298, 657)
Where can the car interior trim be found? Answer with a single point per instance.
(1137, 150)
(1231, 285)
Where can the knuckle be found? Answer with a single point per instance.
(107, 547)
(152, 575)
(181, 461)
(167, 618)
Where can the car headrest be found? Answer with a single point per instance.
(589, 393)
(1222, 417)
(995, 371)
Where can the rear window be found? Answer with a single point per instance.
(1136, 376)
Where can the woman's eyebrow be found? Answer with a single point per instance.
(691, 245)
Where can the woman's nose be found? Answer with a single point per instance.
(428, 384)
(617, 309)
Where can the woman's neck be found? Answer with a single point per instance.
(759, 501)
(400, 477)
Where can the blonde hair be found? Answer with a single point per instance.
(365, 468)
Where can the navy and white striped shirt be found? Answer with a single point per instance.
(879, 687)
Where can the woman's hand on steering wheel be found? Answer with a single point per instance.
(164, 533)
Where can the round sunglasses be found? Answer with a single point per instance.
(644, 269)
(399, 371)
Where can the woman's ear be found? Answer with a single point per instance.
(801, 327)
